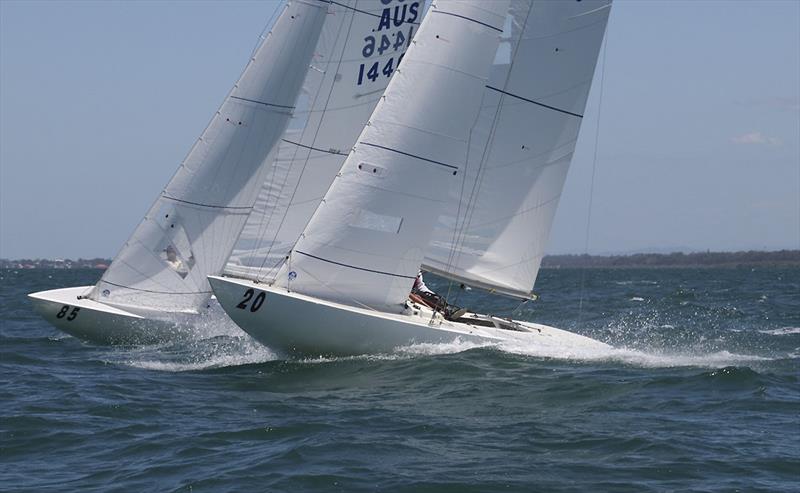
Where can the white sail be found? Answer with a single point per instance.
(359, 48)
(366, 240)
(190, 230)
(497, 221)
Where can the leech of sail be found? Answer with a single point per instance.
(411, 155)
(467, 18)
(298, 144)
(353, 266)
(211, 206)
(534, 102)
(262, 102)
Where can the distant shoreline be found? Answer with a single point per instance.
(752, 258)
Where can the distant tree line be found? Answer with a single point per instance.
(678, 259)
(59, 263)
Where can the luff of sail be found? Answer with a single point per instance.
(360, 46)
(497, 221)
(366, 240)
(190, 230)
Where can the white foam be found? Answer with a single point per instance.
(783, 331)
(203, 355)
(636, 357)
(404, 352)
(428, 349)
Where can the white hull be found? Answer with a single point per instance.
(106, 324)
(295, 324)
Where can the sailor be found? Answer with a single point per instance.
(420, 293)
(419, 285)
(174, 262)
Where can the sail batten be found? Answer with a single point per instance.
(517, 96)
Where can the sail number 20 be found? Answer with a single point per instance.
(257, 301)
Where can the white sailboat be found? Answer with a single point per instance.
(458, 171)
(278, 139)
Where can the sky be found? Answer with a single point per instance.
(698, 144)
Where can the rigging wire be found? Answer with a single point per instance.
(594, 172)
(460, 234)
(319, 92)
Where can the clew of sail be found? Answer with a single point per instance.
(360, 46)
(367, 238)
(496, 223)
(191, 229)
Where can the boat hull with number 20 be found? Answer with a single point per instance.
(299, 325)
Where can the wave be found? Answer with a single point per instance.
(205, 354)
(783, 331)
(621, 355)
(635, 357)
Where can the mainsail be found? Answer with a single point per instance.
(190, 230)
(495, 227)
(359, 49)
(366, 240)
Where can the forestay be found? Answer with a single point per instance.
(190, 230)
(359, 49)
(497, 221)
(366, 240)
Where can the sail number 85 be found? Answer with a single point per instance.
(65, 310)
(257, 301)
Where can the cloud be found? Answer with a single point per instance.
(756, 138)
(782, 103)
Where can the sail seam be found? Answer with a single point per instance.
(534, 102)
(206, 205)
(476, 21)
(411, 155)
(354, 267)
(262, 102)
(153, 291)
(314, 148)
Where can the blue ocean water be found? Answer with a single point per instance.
(701, 393)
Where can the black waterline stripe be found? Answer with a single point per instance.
(410, 155)
(314, 148)
(353, 266)
(205, 205)
(467, 18)
(535, 102)
(262, 102)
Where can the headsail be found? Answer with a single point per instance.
(497, 222)
(190, 230)
(367, 239)
(359, 48)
